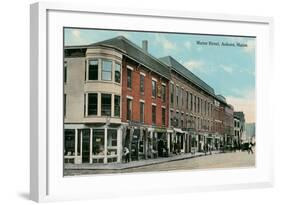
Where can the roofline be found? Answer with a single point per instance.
(124, 53)
(212, 94)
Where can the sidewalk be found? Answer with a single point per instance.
(133, 164)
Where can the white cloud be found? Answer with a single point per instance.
(245, 103)
(165, 42)
(188, 45)
(226, 68)
(251, 45)
(193, 64)
(76, 38)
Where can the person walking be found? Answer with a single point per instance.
(126, 154)
(250, 150)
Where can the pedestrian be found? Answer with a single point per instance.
(250, 150)
(126, 154)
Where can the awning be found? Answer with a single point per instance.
(178, 130)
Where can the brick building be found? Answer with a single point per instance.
(118, 95)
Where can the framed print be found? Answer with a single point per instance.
(128, 102)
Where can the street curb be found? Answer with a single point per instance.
(138, 165)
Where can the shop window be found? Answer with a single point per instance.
(111, 142)
(93, 70)
(106, 70)
(98, 142)
(69, 142)
(117, 72)
(92, 104)
(106, 104)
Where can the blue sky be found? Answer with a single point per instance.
(230, 70)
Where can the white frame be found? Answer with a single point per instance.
(43, 178)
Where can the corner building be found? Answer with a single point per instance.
(116, 95)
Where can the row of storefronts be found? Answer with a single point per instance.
(106, 143)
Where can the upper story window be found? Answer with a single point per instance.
(191, 102)
(129, 109)
(142, 112)
(106, 104)
(129, 78)
(153, 114)
(116, 105)
(106, 70)
(163, 93)
(172, 93)
(92, 104)
(182, 98)
(163, 116)
(117, 72)
(187, 100)
(93, 70)
(154, 88)
(177, 93)
(142, 83)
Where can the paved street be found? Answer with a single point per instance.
(223, 160)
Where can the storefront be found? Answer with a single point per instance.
(92, 143)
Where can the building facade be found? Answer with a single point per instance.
(117, 95)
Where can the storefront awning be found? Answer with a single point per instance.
(178, 130)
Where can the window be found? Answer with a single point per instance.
(129, 78)
(198, 105)
(106, 104)
(163, 116)
(172, 94)
(142, 83)
(64, 104)
(177, 93)
(116, 105)
(191, 102)
(163, 93)
(65, 72)
(181, 123)
(98, 142)
(187, 100)
(182, 98)
(153, 88)
(69, 142)
(93, 70)
(111, 138)
(171, 118)
(142, 112)
(129, 109)
(194, 101)
(106, 70)
(153, 114)
(92, 104)
(117, 72)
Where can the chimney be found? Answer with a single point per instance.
(144, 45)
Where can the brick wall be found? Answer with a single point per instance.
(146, 96)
